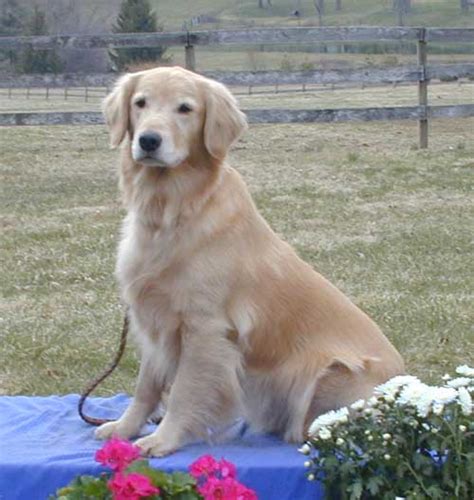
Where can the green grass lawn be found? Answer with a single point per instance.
(390, 225)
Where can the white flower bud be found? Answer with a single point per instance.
(370, 438)
(368, 411)
(446, 376)
(367, 432)
(387, 456)
(305, 449)
(308, 464)
(434, 430)
(387, 436)
(339, 441)
(311, 477)
(462, 428)
(438, 408)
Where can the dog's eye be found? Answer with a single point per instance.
(140, 103)
(184, 108)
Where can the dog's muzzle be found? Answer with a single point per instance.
(147, 149)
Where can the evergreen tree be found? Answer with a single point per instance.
(10, 25)
(38, 61)
(136, 16)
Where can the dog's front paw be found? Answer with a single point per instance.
(153, 446)
(111, 429)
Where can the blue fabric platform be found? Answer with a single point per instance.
(44, 444)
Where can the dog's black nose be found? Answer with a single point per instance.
(150, 141)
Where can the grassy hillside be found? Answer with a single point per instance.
(173, 13)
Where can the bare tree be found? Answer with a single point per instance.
(263, 4)
(338, 5)
(465, 5)
(319, 6)
(402, 8)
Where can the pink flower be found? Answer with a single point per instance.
(206, 465)
(227, 469)
(117, 454)
(131, 487)
(225, 489)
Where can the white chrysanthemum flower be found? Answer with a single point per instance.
(423, 405)
(443, 395)
(388, 398)
(392, 386)
(325, 433)
(358, 405)
(412, 393)
(329, 419)
(373, 401)
(465, 370)
(462, 428)
(465, 401)
(460, 382)
(305, 449)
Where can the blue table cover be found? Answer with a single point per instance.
(44, 444)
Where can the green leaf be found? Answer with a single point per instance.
(374, 484)
(355, 489)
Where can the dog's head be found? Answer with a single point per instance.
(171, 115)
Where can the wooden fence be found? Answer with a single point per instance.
(420, 73)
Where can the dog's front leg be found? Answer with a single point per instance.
(205, 392)
(146, 398)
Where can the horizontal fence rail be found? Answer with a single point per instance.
(248, 36)
(420, 73)
(395, 74)
(264, 115)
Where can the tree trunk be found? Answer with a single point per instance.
(402, 8)
(465, 5)
(321, 6)
(338, 5)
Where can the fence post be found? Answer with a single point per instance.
(189, 56)
(423, 90)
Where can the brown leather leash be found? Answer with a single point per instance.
(85, 393)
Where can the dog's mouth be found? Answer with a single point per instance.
(151, 161)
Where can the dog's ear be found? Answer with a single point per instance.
(116, 108)
(224, 121)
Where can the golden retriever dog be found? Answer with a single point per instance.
(228, 318)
